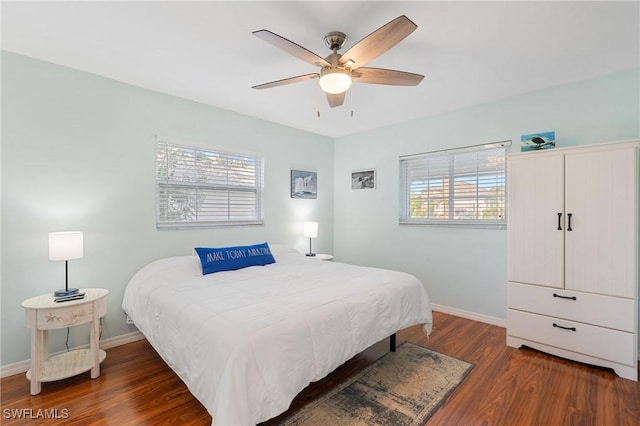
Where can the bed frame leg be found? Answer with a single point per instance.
(392, 342)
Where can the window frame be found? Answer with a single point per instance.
(450, 155)
(163, 144)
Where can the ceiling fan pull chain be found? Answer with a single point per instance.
(351, 98)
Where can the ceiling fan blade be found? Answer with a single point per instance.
(378, 42)
(291, 47)
(287, 81)
(335, 99)
(384, 76)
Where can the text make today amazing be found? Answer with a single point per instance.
(237, 253)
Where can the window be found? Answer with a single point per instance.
(206, 187)
(462, 186)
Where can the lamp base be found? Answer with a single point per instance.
(310, 254)
(66, 292)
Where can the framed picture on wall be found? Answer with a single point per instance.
(304, 184)
(363, 179)
(538, 141)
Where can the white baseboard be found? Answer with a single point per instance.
(23, 366)
(500, 322)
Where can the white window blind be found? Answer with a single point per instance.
(205, 187)
(461, 186)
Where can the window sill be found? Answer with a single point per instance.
(465, 225)
(204, 225)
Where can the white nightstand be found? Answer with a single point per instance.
(44, 314)
(321, 256)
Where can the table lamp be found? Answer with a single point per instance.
(66, 246)
(310, 230)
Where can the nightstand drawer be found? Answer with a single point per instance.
(48, 319)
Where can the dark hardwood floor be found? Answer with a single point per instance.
(506, 387)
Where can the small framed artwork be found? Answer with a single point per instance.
(363, 179)
(304, 184)
(538, 141)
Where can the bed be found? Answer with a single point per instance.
(246, 342)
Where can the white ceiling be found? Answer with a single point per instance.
(471, 52)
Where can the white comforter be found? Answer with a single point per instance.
(247, 342)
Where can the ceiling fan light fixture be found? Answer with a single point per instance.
(335, 80)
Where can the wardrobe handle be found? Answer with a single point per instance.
(564, 328)
(569, 225)
(559, 221)
(565, 297)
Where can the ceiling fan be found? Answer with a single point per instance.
(338, 71)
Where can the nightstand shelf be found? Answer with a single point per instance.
(67, 364)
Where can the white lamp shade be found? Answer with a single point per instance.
(66, 245)
(310, 229)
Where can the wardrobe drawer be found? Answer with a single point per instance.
(604, 343)
(595, 309)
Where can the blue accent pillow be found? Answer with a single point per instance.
(232, 258)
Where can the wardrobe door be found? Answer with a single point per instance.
(601, 201)
(536, 219)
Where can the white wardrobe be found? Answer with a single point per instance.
(573, 253)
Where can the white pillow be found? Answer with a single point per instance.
(285, 254)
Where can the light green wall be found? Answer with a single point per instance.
(78, 154)
(465, 269)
